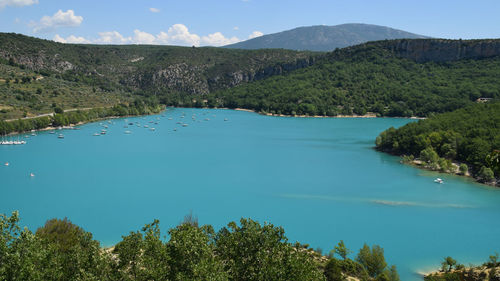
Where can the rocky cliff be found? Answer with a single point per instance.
(441, 50)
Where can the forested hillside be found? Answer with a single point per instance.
(470, 135)
(383, 77)
(242, 251)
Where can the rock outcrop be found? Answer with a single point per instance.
(441, 50)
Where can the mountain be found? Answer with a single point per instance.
(324, 38)
(78, 75)
(407, 77)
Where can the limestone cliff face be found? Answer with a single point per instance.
(200, 79)
(440, 50)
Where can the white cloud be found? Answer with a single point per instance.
(141, 37)
(59, 19)
(255, 34)
(71, 39)
(112, 37)
(177, 34)
(154, 10)
(17, 3)
(236, 28)
(217, 39)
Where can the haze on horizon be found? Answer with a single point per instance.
(217, 23)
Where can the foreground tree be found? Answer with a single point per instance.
(342, 250)
(372, 259)
(261, 252)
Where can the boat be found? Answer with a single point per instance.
(128, 132)
(103, 132)
(152, 129)
(96, 134)
(60, 136)
(175, 129)
(6, 164)
(52, 132)
(184, 125)
(131, 123)
(225, 119)
(32, 175)
(170, 118)
(146, 126)
(438, 180)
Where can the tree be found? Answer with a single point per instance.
(372, 259)
(342, 250)
(463, 168)
(429, 156)
(448, 264)
(485, 174)
(260, 252)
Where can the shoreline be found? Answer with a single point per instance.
(419, 165)
(73, 126)
(368, 115)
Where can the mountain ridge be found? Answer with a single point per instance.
(324, 38)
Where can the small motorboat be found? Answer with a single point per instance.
(32, 175)
(96, 134)
(128, 132)
(60, 136)
(438, 180)
(6, 164)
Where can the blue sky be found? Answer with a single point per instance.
(206, 22)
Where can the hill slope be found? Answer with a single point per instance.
(134, 69)
(391, 78)
(324, 38)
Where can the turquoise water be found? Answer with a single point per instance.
(317, 177)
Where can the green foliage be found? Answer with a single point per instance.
(61, 250)
(448, 264)
(261, 252)
(372, 259)
(463, 168)
(485, 174)
(470, 135)
(342, 250)
(493, 261)
(368, 78)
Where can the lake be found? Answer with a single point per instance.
(319, 178)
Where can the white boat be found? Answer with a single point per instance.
(6, 164)
(61, 136)
(128, 132)
(225, 119)
(438, 180)
(152, 129)
(96, 134)
(32, 175)
(184, 125)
